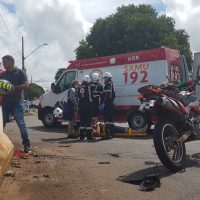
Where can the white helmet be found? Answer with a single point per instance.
(95, 77)
(58, 112)
(107, 75)
(87, 79)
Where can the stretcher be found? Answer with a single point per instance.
(121, 131)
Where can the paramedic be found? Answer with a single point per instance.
(97, 91)
(72, 95)
(108, 100)
(85, 106)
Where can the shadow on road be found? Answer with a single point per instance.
(65, 140)
(54, 140)
(193, 160)
(147, 137)
(59, 129)
(138, 176)
(63, 129)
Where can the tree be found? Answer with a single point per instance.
(85, 51)
(184, 45)
(34, 91)
(58, 73)
(133, 28)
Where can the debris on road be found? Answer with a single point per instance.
(150, 183)
(21, 155)
(114, 155)
(15, 164)
(9, 173)
(46, 175)
(37, 162)
(103, 162)
(64, 145)
(147, 179)
(35, 155)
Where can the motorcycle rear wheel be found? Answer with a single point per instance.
(170, 153)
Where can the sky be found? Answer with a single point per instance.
(61, 24)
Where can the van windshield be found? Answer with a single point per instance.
(65, 81)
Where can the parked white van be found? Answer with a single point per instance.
(26, 105)
(129, 71)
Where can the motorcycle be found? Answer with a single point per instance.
(173, 124)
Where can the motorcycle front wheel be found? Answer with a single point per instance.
(171, 153)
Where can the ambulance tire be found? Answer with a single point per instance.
(48, 119)
(139, 120)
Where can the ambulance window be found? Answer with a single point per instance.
(66, 80)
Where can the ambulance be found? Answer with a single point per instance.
(129, 72)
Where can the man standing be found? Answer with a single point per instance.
(72, 96)
(97, 90)
(12, 103)
(85, 107)
(108, 99)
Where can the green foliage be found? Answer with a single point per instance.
(58, 73)
(85, 51)
(34, 91)
(184, 45)
(133, 28)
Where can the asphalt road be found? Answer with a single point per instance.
(95, 170)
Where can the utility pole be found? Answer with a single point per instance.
(23, 58)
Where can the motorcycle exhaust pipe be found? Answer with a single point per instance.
(170, 104)
(170, 108)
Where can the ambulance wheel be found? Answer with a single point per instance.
(48, 119)
(138, 120)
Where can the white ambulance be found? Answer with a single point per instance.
(129, 71)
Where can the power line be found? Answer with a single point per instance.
(17, 53)
(39, 81)
(10, 32)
